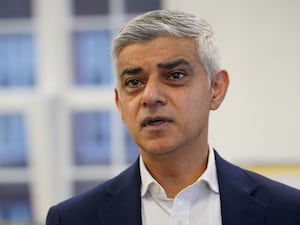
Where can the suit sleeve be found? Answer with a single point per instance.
(52, 217)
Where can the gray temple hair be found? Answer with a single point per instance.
(175, 24)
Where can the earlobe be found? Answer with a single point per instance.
(219, 86)
(116, 98)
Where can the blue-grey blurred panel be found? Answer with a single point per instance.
(81, 186)
(91, 137)
(15, 206)
(138, 6)
(132, 151)
(92, 61)
(90, 7)
(15, 9)
(17, 60)
(13, 144)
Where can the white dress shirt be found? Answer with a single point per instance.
(197, 204)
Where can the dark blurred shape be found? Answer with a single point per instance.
(137, 6)
(13, 147)
(90, 7)
(15, 203)
(91, 137)
(81, 186)
(15, 9)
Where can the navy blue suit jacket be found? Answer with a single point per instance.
(246, 199)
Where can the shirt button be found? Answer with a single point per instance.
(155, 189)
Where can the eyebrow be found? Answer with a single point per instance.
(132, 71)
(173, 64)
(166, 65)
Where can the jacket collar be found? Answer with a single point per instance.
(238, 205)
(124, 199)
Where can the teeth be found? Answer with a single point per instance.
(155, 122)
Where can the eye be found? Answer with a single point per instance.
(176, 76)
(133, 83)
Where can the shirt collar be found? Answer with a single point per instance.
(146, 178)
(209, 175)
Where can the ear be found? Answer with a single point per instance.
(118, 103)
(219, 86)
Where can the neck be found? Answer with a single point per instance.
(174, 172)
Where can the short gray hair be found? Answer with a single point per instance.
(171, 23)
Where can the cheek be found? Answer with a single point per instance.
(129, 111)
(197, 105)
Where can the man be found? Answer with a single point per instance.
(168, 80)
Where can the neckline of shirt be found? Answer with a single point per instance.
(151, 186)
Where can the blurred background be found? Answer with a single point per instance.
(60, 132)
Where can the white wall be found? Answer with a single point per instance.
(259, 44)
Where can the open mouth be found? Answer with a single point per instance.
(154, 121)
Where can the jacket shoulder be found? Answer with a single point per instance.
(243, 176)
(83, 208)
(79, 209)
(273, 189)
(281, 203)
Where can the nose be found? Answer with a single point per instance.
(153, 94)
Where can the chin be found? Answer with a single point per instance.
(157, 150)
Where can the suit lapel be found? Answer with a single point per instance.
(238, 206)
(124, 206)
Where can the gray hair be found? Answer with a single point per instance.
(171, 23)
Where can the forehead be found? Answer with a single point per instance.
(157, 50)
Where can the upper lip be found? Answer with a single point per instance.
(148, 120)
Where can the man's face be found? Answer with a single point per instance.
(163, 95)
